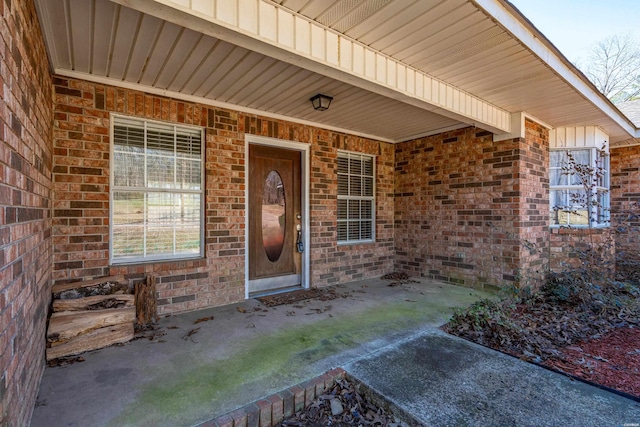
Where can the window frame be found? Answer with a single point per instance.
(599, 216)
(348, 197)
(143, 123)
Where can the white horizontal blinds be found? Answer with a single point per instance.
(157, 191)
(161, 158)
(129, 156)
(189, 160)
(170, 155)
(356, 198)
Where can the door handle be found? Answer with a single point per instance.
(299, 243)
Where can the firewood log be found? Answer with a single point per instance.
(60, 287)
(146, 302)
(93, 340)
(65, 325)
(93, 302)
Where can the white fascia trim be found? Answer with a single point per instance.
(627, 143)
(45, 23)
(278, 32)
(210, 102)
(533, 40)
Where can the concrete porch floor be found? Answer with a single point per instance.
(384, 336)
(238, 357)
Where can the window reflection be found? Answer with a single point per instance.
(273, 216)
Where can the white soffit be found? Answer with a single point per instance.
(104, 42)
(484, 47)
(384, 61)
(521, 28)
(287, 36)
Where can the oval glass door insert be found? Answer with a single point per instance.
(273, 216)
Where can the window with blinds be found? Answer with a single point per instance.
(356, 198)
(157, 182)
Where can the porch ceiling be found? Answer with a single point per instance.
(456, 41)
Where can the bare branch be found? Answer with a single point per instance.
(614, 67)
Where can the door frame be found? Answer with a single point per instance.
(305, 150)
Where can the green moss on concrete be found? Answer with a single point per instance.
(189, 392)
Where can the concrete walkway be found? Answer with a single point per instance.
(442, 380)
(385, 336)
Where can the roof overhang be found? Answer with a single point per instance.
(397, 71)
(520, 27)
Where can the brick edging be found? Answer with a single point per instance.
(273, 409)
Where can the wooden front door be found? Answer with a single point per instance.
(274, 219)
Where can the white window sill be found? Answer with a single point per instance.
(136, 261)
(580, 226)
(356, 242)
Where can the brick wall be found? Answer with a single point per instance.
(81, 183)
(625, 199)
(533, 212)
(25, 202)
(330, 263)
(567, 245)
(466, 206)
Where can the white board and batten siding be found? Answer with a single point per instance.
(297, 34)
(579, 137)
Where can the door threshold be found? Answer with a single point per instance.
(275, 291)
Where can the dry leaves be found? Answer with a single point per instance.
(325, 294)
(152, 332)
(319, 310)
(398, 278)
(190, 334)
(342, 405)
(64, 361)
(203, 319)
(556, 325)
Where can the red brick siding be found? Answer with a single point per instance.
(25, 203)
(567, 243)
(332, 263)
(625, 194)
(81, 211)
(464, 204)
(271, 410)
(534, 204)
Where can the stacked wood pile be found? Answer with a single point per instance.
(146, 302)
(90, 315)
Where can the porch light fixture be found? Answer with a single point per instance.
(321, 102)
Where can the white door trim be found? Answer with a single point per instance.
(305, 149)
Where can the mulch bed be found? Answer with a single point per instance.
(573, 325)
(612, 360)
(296, 296)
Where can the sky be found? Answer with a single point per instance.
(573, 26)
